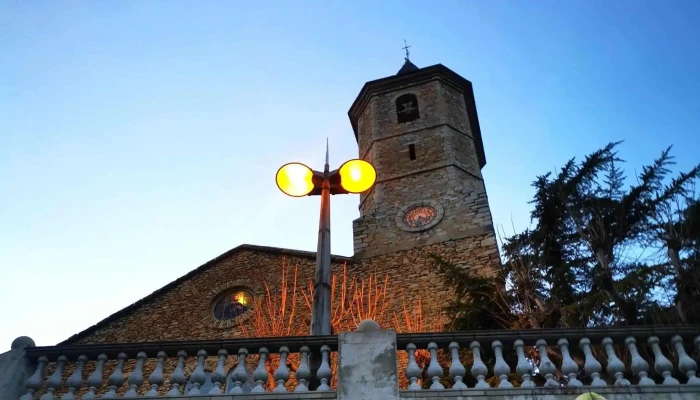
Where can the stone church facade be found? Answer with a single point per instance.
(420, 130)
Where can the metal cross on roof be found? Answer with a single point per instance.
(406, 46)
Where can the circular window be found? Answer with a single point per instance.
(232, 304)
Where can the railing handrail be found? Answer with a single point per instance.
(273, 344)
(294, 343)
(530, 336)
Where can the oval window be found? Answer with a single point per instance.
(232, 304)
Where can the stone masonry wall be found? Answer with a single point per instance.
(464, 201)
(185, 312)
(413, 275)
(445, 170)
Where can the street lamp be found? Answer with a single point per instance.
(298, 180)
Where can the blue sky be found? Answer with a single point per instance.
(139, 139)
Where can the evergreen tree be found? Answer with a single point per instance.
(589, 258)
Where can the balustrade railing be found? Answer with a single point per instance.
(192, 368)
(597, 357)
(622, 358)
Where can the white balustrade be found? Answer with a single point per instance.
(413, 370)
(126, 382)
(457, 370)
(198, 377)
(546, 366)
(219, 376)
(157, 378)
(177, 378)
(95, 381)
(639, 365)
(661, 364)
(501, 368)
(615, 367)
(282, 373)
(240, 374)
(303, 372)
(686, 365)
(75, 381)
(591, 366)
(528, 357)
(524, 367)
(568, 365)
(479, 369)
(324, 372)
(116, 380)
(36, 381)
(434, 369)
(54, 382)
(136, 378)
(260, 374)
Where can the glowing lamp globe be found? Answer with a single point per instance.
(295, 179)
(357, 176)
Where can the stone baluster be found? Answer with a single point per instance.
(434, 369)
(96, 380)
(546, 366)
(661, 364)
(686, 365)
(219, 375)
(413, 371)
(281, 375)
(501, 368)
(240, 374)
(457, 370)
(55, 380)
(592, 367)
(116, 380)
(136, 378)
(177, 378)
(198, 378)
(260, 374)
(75, 381)
(157, 378)
(324, 372)
(524, 367)
(639, 365)
(303, 372)
(568, 365)
(615, 367)
(479, 369)
(36, 381)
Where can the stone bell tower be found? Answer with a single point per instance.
(420, 129)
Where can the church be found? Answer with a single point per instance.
(420, 130)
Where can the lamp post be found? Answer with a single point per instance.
(298, 180)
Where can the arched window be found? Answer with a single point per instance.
(407, 108)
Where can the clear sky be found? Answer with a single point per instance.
(139, 139)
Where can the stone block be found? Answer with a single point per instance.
(367, 368)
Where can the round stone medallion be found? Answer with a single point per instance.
(419, 216)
